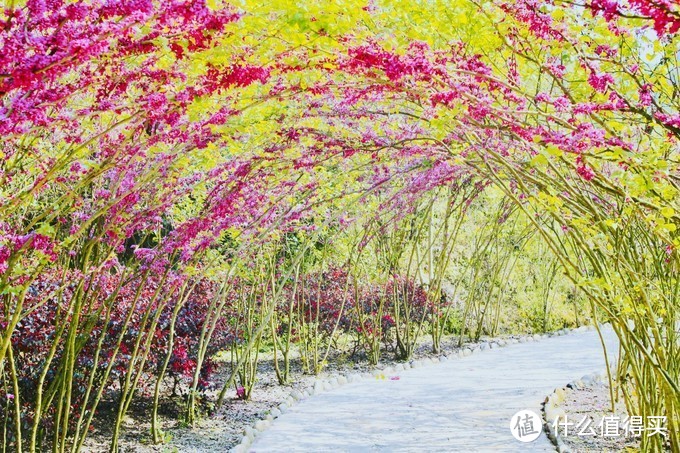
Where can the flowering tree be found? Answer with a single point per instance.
(594, 162)
(577, 125)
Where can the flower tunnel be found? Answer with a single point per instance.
(186, 184)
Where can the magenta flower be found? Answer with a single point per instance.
(241, 392)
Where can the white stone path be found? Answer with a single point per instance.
(460, 405)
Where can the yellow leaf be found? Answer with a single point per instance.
(539, 161)
(553, 150)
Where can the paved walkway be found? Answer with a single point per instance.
(461, 405)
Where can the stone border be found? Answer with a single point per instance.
(334, 381)
(552, 410)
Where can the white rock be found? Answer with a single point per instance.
(296, 394)
(588, 380)
(342, 380)
(283, 408)
(443, 358)
(262, 425)
(334, 382)
(553, 413)
(275, 413)
(249, 432)
(318, 387)
(327, 385)
(550, 401)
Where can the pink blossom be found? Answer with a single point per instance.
(4, 257)
(664, 14)
(608, 8)
(583, 170)
(600, 81)
(540, 24)
(556, 69)
(445, 98)
(542, 97)
(605, 51)
(645, 94)
(562, 104)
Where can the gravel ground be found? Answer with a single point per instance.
(593, 402)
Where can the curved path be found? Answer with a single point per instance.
(460, 405)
